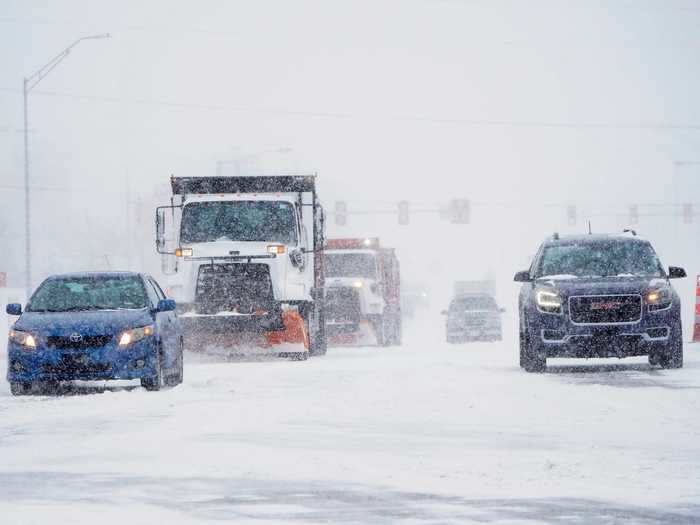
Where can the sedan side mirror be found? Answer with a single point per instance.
(166, 305)
(13, 309)
(674, 272)
(522, 277)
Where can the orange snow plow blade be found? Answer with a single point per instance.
(294, 331)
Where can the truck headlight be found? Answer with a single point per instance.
(276, 249)
(135, 334)
(22, 338)
(659, 298)
(358, 284)
(548, 301)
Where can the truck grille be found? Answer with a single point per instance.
(610, 309)
(239, 287)
(86, 341)
(343, 305)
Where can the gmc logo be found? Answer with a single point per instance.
(606, 305)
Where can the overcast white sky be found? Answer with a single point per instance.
(544, 101)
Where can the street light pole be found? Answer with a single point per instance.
(28, 84)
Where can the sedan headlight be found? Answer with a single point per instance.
(659, 298)
(134, 335)
(548, 301)
(22, 338)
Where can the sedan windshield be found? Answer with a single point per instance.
(89, 293)
(267, 221)
(600, 259)
(350, 265)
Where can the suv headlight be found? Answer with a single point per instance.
(659, 298)
(134, 335)
(548, 301)
(22, 338)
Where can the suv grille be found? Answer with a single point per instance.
(591, 309)
(238, 286)
(342, 305)
(87, 341)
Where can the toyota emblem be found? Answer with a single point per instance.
(75, 338)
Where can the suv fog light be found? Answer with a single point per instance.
(553, 335)
(657, 333)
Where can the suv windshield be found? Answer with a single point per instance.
(473, 303)
(270, 221)
(599, 259)
(350, 265)
(89, 293)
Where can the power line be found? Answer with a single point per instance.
(655, 126)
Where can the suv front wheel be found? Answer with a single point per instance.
(531, 358)
(672, 355)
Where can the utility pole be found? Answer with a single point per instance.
(28, 84)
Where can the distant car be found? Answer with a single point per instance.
(95, 326)
(473, 317)
(599, 296)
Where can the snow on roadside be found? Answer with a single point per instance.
(427, 419)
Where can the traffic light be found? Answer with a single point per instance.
(459, 211)
(404, 208)
(687, 213)
(571, 215)
(341, 213)
(634, 214)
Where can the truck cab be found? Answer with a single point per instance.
(242, 255)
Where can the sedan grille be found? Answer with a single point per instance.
(605, 309)
(75, 342)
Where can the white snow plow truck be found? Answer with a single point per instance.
(363, 299)
(244, 262)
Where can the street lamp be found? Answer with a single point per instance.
(30, 83)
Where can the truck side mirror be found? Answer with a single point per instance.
(160, 230)
(674, 272)
(523, 277)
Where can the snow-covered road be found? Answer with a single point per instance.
(419, 434)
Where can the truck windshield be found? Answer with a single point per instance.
(269, 221)
(473, 303)
(350, 265)
(600, 259)
(89, 293)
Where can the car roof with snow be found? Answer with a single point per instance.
(593, 238)
(95, 275)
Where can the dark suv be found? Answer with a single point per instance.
(599, 296)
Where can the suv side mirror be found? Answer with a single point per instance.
(166, 305)
(674, 272)
(522, 277)
(13, 309)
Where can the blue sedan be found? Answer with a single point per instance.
(95, 326)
